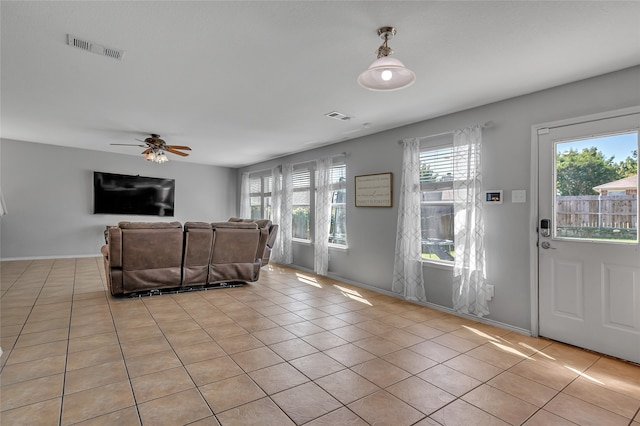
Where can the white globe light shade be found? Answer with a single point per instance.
(386, 73)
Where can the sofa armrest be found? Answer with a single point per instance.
(273, 233)
(114, 247)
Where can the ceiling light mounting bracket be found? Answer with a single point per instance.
(385, 33)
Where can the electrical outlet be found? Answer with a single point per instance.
(491, 291)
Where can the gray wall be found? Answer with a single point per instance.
(49, 195)
(48, 191)
(506, 165)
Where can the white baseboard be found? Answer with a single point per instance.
(65, 256)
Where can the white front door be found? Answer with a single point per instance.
(588, 252)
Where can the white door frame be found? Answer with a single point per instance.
(533, 210)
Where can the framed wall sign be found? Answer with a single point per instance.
(374, 190)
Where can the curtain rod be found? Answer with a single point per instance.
(450, 132)
(342, 154)
(257, 171)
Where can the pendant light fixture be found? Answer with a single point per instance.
(386, 73)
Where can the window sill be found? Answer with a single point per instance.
(310, 243)
(438, 264)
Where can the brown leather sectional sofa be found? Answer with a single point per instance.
(142, 257)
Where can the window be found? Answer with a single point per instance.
(304, 179)
(436, 203)
(260, 196)
(301, 204)
(338, 230)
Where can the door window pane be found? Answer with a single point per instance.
(596, 187)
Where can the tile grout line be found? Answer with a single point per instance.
(35, 300)
(66, 358)
(115, 329)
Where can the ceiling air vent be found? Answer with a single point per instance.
(93, 47)
(338, 116)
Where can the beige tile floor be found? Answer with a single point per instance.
(290, 349)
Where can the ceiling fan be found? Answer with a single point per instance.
(156, 148)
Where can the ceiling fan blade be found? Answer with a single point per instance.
(179, 147)
(128, 144)
(184, 154)
(146, 151)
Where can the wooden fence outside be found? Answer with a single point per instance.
(597, 211)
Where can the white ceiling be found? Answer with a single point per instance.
(242, 82)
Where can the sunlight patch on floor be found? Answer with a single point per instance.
(352, 294)
(509, 350)
(546, 356)
(308, 280)
(586, 376)
(531, 348)
(480, 333)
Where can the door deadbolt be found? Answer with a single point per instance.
(545, 228)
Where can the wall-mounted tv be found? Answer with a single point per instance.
(134, 195)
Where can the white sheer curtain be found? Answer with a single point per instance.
(245, 201)
(276, 194)
(407, 267)
(3, 206)
(282, 250)
(322, 216)
(470, 292)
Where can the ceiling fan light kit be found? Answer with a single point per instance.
(156, 157)
(386, 73)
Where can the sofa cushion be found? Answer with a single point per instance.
(151, 256)
(198, 241)
(233, 257)
(235, 225)
(197, 225)
(149, 225)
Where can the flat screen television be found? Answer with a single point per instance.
(132, 195)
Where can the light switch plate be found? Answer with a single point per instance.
(519, 196)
